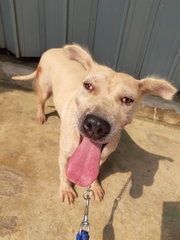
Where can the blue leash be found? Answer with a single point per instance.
(84, 234)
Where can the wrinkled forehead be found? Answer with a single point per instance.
(125, 84)
(100, 75)
(111, 82)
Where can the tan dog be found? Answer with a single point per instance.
(95, 103)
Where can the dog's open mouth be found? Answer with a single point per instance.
(83, 165)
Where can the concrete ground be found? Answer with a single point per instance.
(141, 179)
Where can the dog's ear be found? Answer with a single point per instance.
(77, 53)
(158, 87)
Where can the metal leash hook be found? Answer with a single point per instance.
(85, 227)
(86, 196)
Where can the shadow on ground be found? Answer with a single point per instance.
(170, 227)
(108, 231)
(9, 87)
(129, 157)
(53, 113)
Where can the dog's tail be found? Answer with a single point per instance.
(26, 77)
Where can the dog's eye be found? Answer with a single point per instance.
(88, 86)
(126, 100)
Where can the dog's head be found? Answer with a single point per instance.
(107, 100)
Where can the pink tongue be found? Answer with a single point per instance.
(83, 165)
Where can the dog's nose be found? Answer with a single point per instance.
(95, 127)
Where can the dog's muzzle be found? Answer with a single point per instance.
(95, 128)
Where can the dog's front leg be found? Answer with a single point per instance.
(69, 139)
(67, 193)
(98, 191)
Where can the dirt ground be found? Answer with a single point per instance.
(141, 180)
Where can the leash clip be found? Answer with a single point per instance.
(85, 224)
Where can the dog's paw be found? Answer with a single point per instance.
(41, 118)
(98, 191)
(67, 194)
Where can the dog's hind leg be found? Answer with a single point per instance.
(43, 90)
(42, 97)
